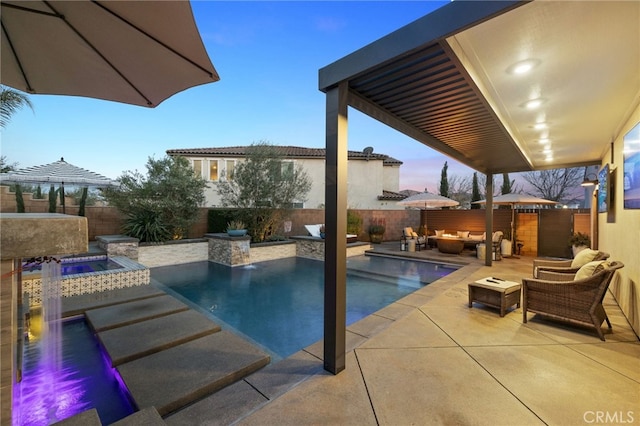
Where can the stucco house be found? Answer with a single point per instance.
(374, 179)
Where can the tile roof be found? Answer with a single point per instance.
(391, 196)
(285, 151)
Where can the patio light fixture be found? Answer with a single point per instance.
(590, 179)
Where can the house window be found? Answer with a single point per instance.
(213, 170)
(286, 170)
(197, 167)
(231, 165)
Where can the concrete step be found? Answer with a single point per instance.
(78, 305)
(109, 317)
(175, 377)
(124, 344)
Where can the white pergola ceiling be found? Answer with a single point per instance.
(443, 80)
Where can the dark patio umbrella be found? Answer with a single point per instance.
(59, 172)
(136, 52)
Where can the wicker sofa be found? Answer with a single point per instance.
(577, 301)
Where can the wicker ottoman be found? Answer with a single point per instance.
(496, 293)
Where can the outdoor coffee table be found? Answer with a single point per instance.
(495, 292)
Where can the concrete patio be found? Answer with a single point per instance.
(430, 359)
(425, 359)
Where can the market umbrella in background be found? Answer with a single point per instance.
(61, 173)
(135, 52)
(426, 200)
(514, 200)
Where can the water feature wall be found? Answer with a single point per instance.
(132, 274)
(230, 251)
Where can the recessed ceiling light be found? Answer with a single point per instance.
(549, 157)
(540, 126)
(523, 67)
(544, 140)
(533, 103)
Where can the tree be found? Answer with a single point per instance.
(507, 185)
(161, 205)
(264, 186)
(6, 167)
(444, 183)
(19, 199)
(53, 199)
(459, 189)
(554, 184)
(83, 201)
(10, 102)
(475, 191)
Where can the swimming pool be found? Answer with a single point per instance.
(84, 380)
(72, 266)
(279, 304)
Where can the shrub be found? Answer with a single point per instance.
(580, 239)
(167, 198)
(377, 226)
(354, 223)
(147, 226)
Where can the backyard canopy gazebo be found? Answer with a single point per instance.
(452, 81)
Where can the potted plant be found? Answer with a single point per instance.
(579, 241)
(236, 228)
(322, 231)
(376, 230)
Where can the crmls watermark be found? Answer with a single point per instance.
(608, 417)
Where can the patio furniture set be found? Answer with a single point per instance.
(570, 291)
(450, 242)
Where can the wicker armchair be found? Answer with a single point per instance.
(563, 266)
(577, 302)
(409, 234)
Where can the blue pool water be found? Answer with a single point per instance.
(279, 304)
(84, 380)
(71, 267)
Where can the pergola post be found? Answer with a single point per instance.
(335, 261)
(488, 241)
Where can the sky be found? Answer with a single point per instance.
(267, 55)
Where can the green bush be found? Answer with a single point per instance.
(354, 223)
(147, 226)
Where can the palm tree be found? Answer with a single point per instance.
(10, 102)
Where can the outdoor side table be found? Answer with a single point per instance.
(496, 293)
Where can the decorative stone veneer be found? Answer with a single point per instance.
(119, 245)
(272, 251)
(174, 252)
(132, 274)
(230, 251)
(313, 248)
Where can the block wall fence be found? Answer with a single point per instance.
(104, 220)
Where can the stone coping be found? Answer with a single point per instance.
(225, 236)
(109, 239)
(170, 242)
(272, 243)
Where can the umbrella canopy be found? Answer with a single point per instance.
(516, 200)
(135, 52)
(59, 172)
(426, 200)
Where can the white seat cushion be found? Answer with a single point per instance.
(313, 230)
(583, 257)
